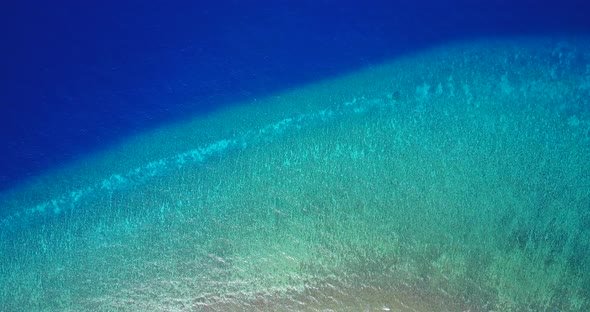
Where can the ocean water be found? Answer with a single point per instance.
(295, 156)
(78, 78)
(449, 180)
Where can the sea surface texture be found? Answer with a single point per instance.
(456, 179)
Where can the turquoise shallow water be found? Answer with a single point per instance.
(452, 180)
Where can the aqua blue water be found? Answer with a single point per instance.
(78, 77)
(451, 180)
(297, 156)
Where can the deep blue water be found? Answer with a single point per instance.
(77, 77)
